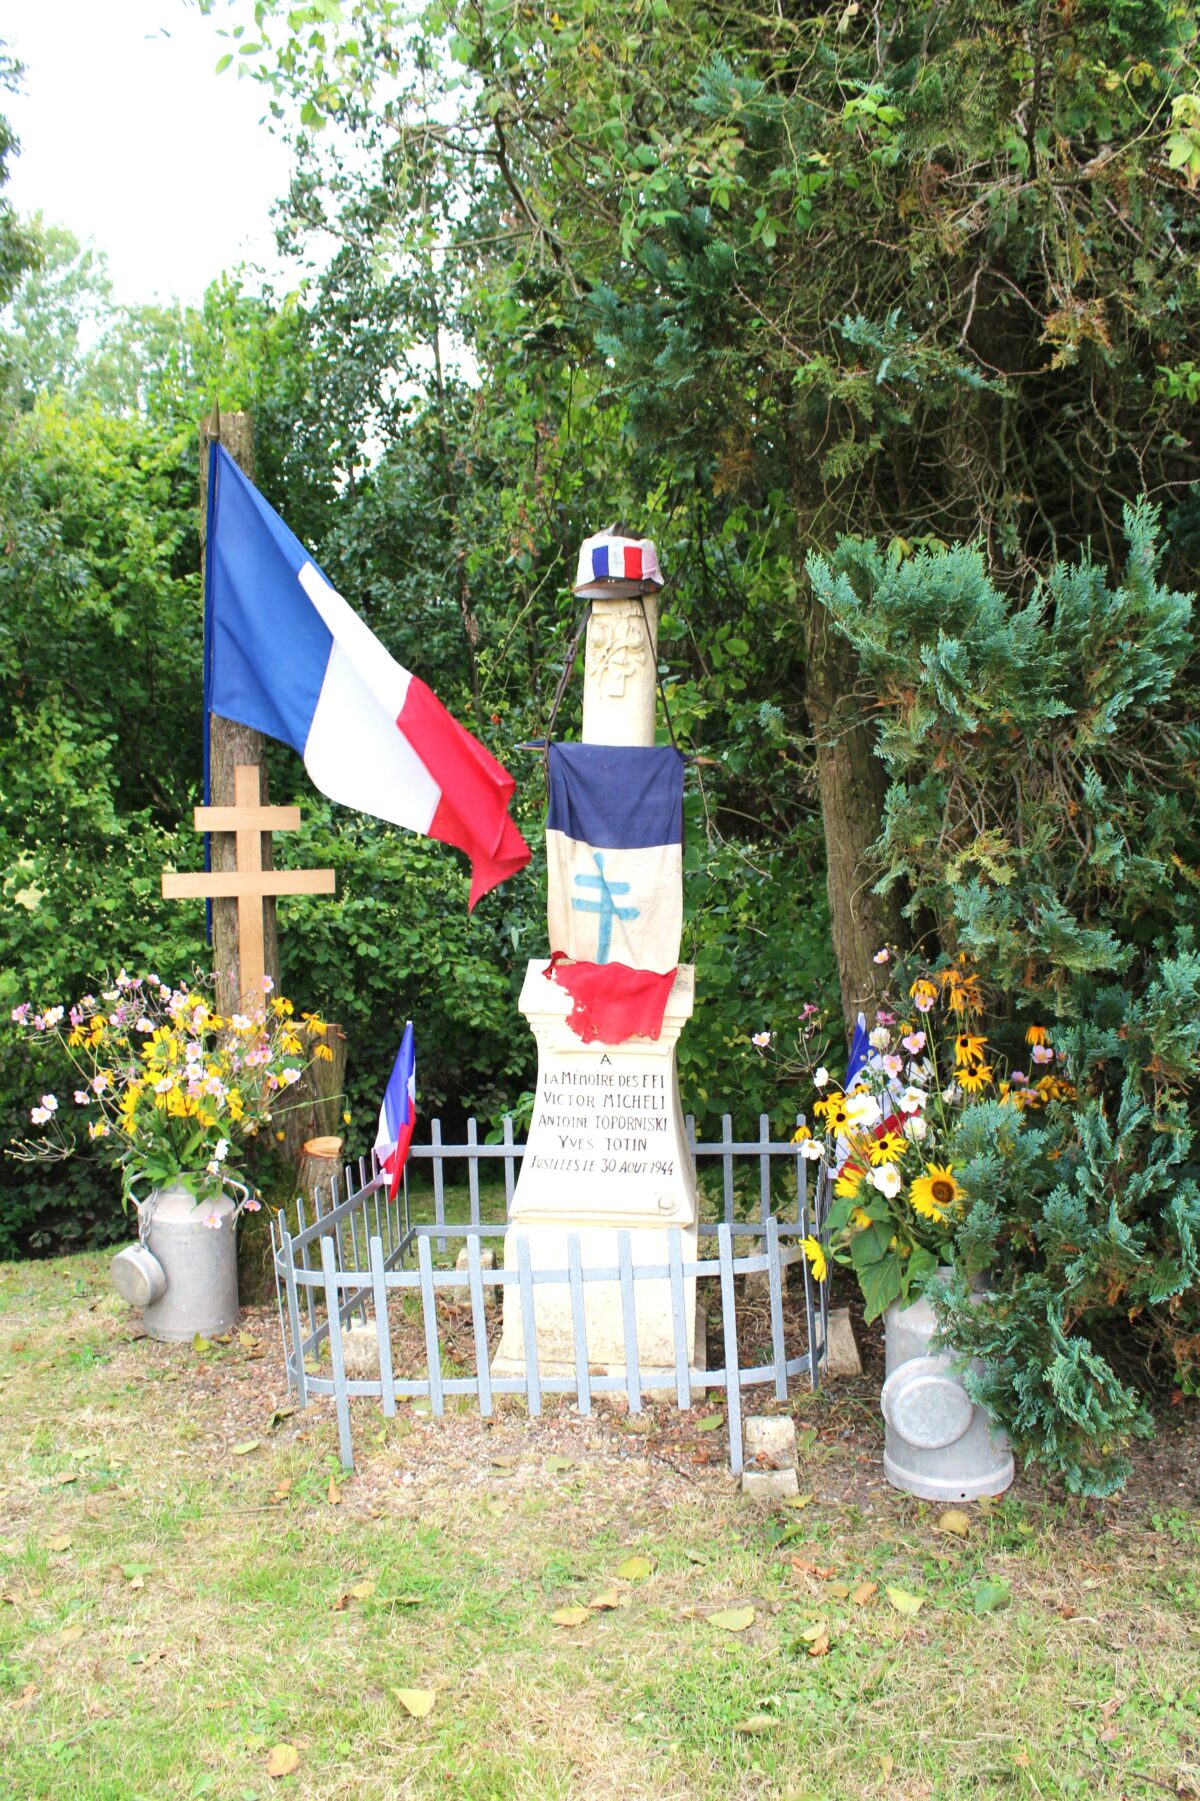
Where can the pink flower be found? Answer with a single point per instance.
(20, 1015)
(1042, 1053)
(892, 1065)
(883, 956)
(268, 984)
(885, 1019)
(761, 1039)
(212, 1220)
(99, 1083)
(923, 1003)
(1018, 1075)
(251, 1205)
(914, 1043)
(82, 1097)
(808, 1009)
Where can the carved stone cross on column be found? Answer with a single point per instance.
(249, 883)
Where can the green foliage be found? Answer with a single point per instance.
(1043, 818)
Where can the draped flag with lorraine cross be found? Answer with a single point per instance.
(614, 855)
(284, 653)
(398, 1113)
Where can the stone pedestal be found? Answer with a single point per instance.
(607, 1151)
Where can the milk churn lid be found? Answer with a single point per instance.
(926, 1404)
(612, 567)
(138, 1276)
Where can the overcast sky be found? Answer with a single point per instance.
(130, 139)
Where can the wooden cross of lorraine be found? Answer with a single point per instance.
(249, 884)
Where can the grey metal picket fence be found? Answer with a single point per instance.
(352, 1254)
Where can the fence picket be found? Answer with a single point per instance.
(633, 1385)
(383, 1327)
(733, 1386)
(533, 1380)
(483, 1369)
(583, 1380)
(332, 1314)
(433, 1349)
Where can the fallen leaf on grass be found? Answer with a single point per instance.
(26, 1695)
(505, 1463)
(279, 1415)
(200, 1343)
(807, 1568)
(819, 1647)
(416, 1701)
(555, 1464)
(244, 1449)
(989, 1596)
(284, 1489)
(605, 1602)
(755, 1724)
(904, 1603)
(710, 1422)
(887, 1764)
(70, 1635)
(282, 1760)
(839, 1590)
(153, 1657)
(359, 1591)
(799, 1501)
(60, 1542)
(570, 1616)
(807, 1439)
(733, 1619)
(811, 1633)
(64, 1477)
(333, 1494)
(954, 1520)
(635, 1569)
(863, 1593)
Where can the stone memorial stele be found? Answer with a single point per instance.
(607, 1149)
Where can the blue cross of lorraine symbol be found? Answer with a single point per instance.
(604, 905)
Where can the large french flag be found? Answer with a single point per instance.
(614, 856)
(398, 1113)
(284, 653)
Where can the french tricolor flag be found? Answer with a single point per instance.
(398, 1114)
(614, 889)
(284, 653)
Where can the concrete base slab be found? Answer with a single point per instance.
(770, 1438)
(770, 1485)
(843, 1353)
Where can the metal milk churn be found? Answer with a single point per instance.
(938, 1443)
(182, 1272)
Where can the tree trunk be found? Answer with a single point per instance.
(852, 784)
(230, 744)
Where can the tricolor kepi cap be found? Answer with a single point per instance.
(614, 567)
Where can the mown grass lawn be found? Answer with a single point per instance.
(187, 1583)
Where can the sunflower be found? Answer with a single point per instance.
(974, 1079)
(801, 1135)
(1035, 1035)
(887, 1148)
(968, 1049)
(814, 1250)
(848, 1183)
(859, 1219)
(934, 1193)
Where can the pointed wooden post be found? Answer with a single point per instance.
(231, 745)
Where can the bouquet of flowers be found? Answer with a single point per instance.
(889, 1139)
(174, 1091)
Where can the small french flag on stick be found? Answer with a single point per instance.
(284, 653)
(398, 1114)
